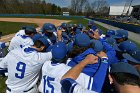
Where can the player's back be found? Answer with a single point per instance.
(19, 41)
(24, 66)
(52, 74)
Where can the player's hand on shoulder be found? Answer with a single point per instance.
(91, 59)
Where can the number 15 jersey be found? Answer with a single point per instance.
(52, 74)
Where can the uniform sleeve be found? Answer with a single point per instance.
(100, 77)
(110, 51)
(45, 56)
(71, 86)
(14, 43)
(29, 42)
(49, 56)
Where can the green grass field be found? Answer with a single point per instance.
(2, 84)
(12, 27)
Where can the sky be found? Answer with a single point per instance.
(66, 3)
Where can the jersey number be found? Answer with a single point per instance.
(21, 70)
(47, 80)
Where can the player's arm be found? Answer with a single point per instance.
(69, 85)
(59, 34)
(100, 75)
(110, 51)
(29, 42)
(74, 72)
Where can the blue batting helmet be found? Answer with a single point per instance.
(48, 27)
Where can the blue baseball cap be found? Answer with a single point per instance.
(110, 33)
(97, 45)
(80, 26)
(48, 27)
(64, 25)
(91, 22)
(93, 28)
(23, 27)
(29, 29)
(36, 37)
(44, 41)
(133, 56)
(70, 25)
(127, 46)
(59, 51)
(2, 45)
(121, 34)
(124, 68)
(82, 40)
(112, 43)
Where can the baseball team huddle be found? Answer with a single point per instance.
(70, 59)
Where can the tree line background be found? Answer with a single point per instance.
(77, 7)
(90, 8)
(28, 7)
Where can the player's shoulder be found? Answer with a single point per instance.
(28, 41)
(15, 52)
(52, 69)
(20, 32)
(47, 56)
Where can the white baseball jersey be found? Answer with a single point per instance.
(80, 89)
(20, 32)
(52, 74)
(71, 86)
(20, 40)
(24, 65)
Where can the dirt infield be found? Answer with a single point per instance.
(37, 21)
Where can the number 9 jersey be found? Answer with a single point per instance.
(23, 66)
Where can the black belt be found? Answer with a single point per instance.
(23, 91)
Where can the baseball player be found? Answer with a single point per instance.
(90, 24)
(68, 82)
(49, 31)
(24, 65)
(125, 78)
(51, 78)
(22, 31)
(21, 40)
(110, 33)
(121, 35)
(65, 32)
(111, 53)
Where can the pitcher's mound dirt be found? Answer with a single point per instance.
(37, 21)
